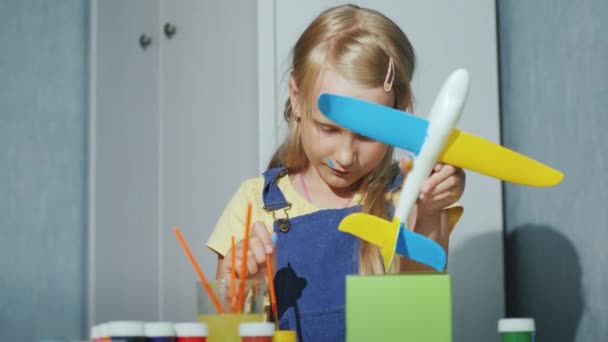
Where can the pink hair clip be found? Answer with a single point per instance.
(390, 75)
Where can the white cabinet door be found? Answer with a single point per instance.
(174, 130)
(124, 140)
(209, 131)
(446, 35)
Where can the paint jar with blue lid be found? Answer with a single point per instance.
(159, 332)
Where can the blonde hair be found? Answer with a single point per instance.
(358, 44)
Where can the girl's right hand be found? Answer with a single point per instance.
(260, 244)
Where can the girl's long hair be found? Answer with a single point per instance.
(357, 43)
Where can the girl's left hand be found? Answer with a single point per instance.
(443, 188)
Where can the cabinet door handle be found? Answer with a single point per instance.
(170, 30)
(144, 41)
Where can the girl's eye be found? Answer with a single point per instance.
(329, 130)
(364, 138)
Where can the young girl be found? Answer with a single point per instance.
(322, 172)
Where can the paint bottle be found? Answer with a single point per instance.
(104, 336)
(96, 333)
(256, 331)
(516, 329)
(159, 332)
(126, 331)
(284, 336)
(191, 332)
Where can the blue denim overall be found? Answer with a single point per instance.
(313, 259)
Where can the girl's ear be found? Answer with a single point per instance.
(293, 98)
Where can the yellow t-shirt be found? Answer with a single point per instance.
(232, 221)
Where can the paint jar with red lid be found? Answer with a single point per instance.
(256, 331)
(191, 332)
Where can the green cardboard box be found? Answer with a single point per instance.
(406, 307)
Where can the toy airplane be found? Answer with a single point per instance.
(432, 140)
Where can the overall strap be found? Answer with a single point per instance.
(273, 196)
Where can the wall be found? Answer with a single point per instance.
(43, 115)
(554, 83)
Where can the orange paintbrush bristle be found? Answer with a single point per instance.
(232, 277)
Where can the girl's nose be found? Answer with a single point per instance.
(345, 155)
